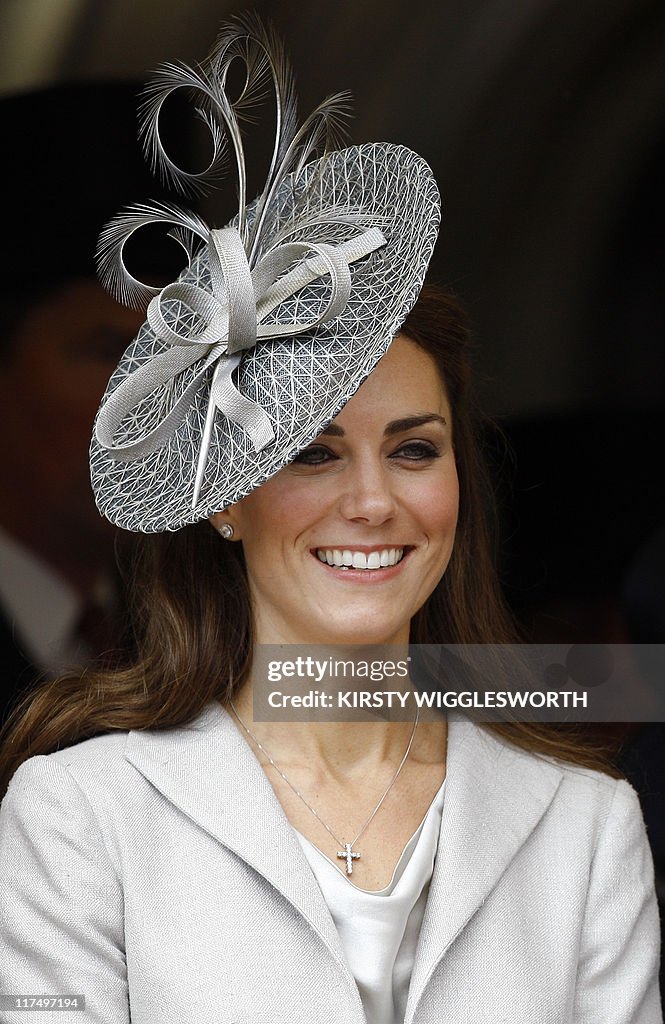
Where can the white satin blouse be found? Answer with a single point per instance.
(379, 930)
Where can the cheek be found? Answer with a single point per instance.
(438, 506)
(275, 516)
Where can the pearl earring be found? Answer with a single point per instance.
(226, 531)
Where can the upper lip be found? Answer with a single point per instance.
(366, 549)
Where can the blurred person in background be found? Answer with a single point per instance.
(61, 337)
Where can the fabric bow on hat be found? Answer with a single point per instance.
(278, 317)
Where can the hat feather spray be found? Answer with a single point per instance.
(279, 316)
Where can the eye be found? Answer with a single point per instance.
(417, 451)
(314, 455)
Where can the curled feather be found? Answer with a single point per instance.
(168, 79)
(266, 63)
(260, 49)
(321, 131)
(325, 129)
(266, 67)
(187, 229)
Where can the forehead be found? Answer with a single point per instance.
(406, 381)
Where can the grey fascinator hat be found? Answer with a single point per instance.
(279, 316)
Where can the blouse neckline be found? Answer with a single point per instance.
(401, 863)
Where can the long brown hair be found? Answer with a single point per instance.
(192, 619)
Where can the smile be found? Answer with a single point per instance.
(344, 558)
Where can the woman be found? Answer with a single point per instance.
(191, 862)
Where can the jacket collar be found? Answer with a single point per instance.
(495, 796)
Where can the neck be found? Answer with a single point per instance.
(340, 749)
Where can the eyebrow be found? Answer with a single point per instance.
(395, 426)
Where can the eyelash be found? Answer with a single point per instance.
(426, 451)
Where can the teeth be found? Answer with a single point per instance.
(347, 559)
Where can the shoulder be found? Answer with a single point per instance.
(586, 794)
(88, 796)
(100, 768)
(96, 760)
(69, 795)
(107, 762)
(94, 757)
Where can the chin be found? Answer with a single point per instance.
(364, 634)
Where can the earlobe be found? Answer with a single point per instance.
(225, 529)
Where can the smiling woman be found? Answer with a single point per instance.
(348, 541)
(300, 391)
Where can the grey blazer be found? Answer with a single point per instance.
(155, 873)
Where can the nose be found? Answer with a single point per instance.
(369, 495)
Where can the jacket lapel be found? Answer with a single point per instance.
(495, 796)
(208, 771)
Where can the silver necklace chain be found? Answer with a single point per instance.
(347, 852)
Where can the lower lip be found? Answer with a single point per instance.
(366, 576)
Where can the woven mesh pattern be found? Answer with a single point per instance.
(301, 382)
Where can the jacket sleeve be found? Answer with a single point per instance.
(61, 907)
(617, 981)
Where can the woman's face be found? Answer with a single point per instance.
(377, 488)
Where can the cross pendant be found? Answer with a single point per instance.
(349, 856)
